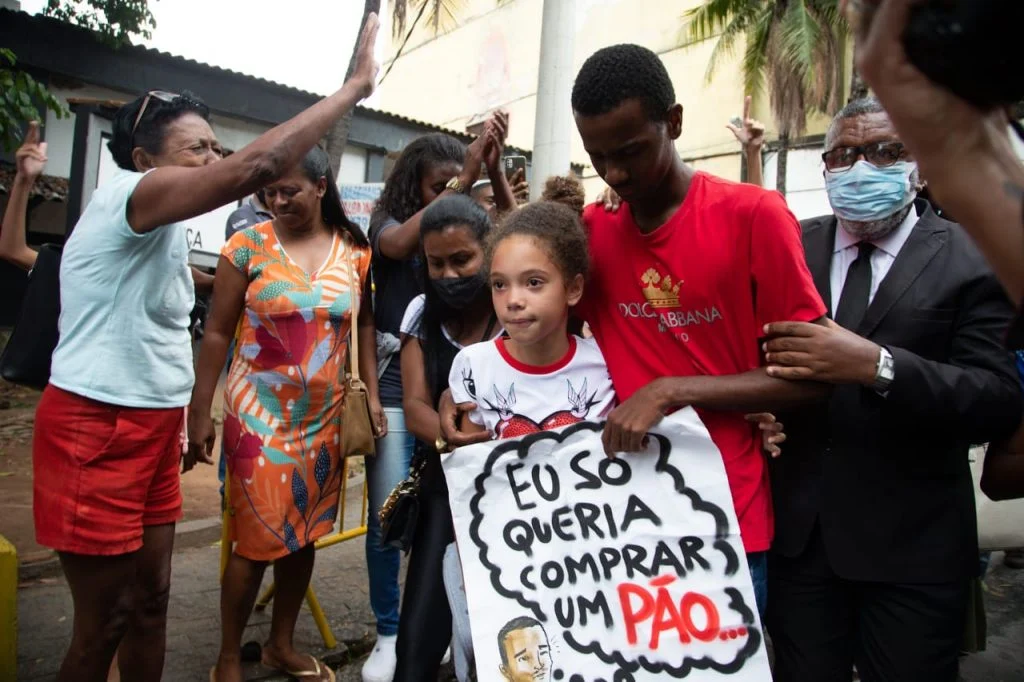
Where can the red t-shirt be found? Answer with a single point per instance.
(691, 299)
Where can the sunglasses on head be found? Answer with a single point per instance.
(161, 95)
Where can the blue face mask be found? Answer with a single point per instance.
(866, 193)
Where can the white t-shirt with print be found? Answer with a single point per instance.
(515, 399)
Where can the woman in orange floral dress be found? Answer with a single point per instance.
(289, 282)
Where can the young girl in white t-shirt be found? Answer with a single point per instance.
(538, 376)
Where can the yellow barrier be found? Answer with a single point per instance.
(8, 611)
(343, 534)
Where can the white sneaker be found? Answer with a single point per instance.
(380, 666)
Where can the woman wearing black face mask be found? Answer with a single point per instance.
(454, 311)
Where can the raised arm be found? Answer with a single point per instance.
(174, 193)
(30, 160)
(495, 133)
(750, 135)
(399, 242)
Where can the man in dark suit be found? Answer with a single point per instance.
(875, 533)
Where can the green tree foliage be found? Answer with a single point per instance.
(24, 99)
(795, 47)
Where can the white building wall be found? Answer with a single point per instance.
(805, 183)
(353, 166)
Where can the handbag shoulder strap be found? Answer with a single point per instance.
(357, 294)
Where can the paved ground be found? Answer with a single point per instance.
(1003, 661)
(44, 607)
(340, 582)
(44, 612)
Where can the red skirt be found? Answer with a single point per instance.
(103, 472)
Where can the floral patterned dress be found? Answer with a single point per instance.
(283, 396)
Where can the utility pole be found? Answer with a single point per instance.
(554, 124)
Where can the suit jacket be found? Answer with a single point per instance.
(887, 478)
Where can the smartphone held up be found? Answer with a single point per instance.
(514, 164)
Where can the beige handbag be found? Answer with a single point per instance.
(357, 432)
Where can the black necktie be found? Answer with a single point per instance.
(853, 302)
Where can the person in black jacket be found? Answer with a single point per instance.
(876, 538)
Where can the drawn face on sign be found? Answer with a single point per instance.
(618, 559)
(525, 652)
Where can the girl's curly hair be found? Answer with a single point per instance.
(567, 190)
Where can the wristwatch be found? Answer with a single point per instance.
(885, 371)
(456, 185)
(441, 445)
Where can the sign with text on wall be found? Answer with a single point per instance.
(580, 568)
(358, 202)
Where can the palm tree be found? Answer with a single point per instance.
(439, 13)
(796, 47)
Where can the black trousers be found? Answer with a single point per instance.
(821, 625)
(425, 622)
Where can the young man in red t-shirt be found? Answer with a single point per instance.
(685, 275)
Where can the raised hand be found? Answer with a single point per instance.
(495, 130)
(365, 72)
(751, 131)
(30, 159)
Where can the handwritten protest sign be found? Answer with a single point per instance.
(587, 569)
(358, 201)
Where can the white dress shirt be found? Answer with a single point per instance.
(844, 252)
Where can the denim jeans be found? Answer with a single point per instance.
(383, 472)
(758, 563)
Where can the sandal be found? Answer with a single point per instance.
(315, 674)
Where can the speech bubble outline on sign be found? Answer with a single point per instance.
(657, 595)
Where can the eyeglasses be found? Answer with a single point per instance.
(880, 154)
(161, 95)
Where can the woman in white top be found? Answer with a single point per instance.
(107, 445)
